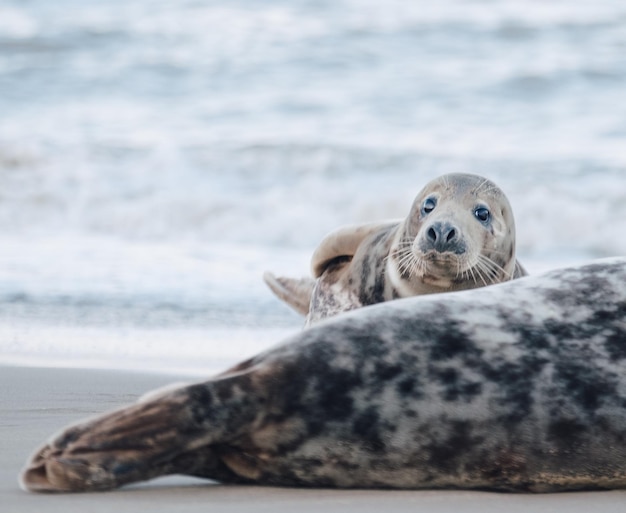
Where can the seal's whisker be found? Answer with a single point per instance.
(418, 267)
(398, 253)
(473, 275)
(408, 267)
(405, 267)
(486, 266)
(488, 261)
(488, 269)
(482, 273)
(402, 264)
(403, 246)
(405, 263)
(486, 272)
(415, 264)
(404, 255)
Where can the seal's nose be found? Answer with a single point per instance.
(443, 237)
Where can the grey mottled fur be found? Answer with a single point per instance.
(520, 387)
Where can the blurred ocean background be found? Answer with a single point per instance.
(156, 157)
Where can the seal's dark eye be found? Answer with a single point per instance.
(429, 205)
(482, 214)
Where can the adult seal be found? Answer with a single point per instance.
(458, 235)
(518, 387)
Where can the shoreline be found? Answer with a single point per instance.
(37, 402)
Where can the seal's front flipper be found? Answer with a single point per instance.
(295, 292)
(343, 243)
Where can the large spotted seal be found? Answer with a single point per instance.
(520, 387)
(459, 234)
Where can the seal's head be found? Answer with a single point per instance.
(459, 234)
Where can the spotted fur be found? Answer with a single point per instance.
(517, 387)
(363, 265)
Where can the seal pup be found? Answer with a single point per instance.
(516, 387)
(459, 234)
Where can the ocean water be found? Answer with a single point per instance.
(156, 157)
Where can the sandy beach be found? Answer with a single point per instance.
(37, 402)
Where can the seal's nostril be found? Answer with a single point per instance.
(432, 234)
(451, 235)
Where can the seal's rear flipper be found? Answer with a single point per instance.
(295, 292)
(187, 430)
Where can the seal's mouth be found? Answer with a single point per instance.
(447, 265)
(445, 268)
(432, 265)
(438, 258)
(477, 270)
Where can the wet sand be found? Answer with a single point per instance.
(35, 403)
